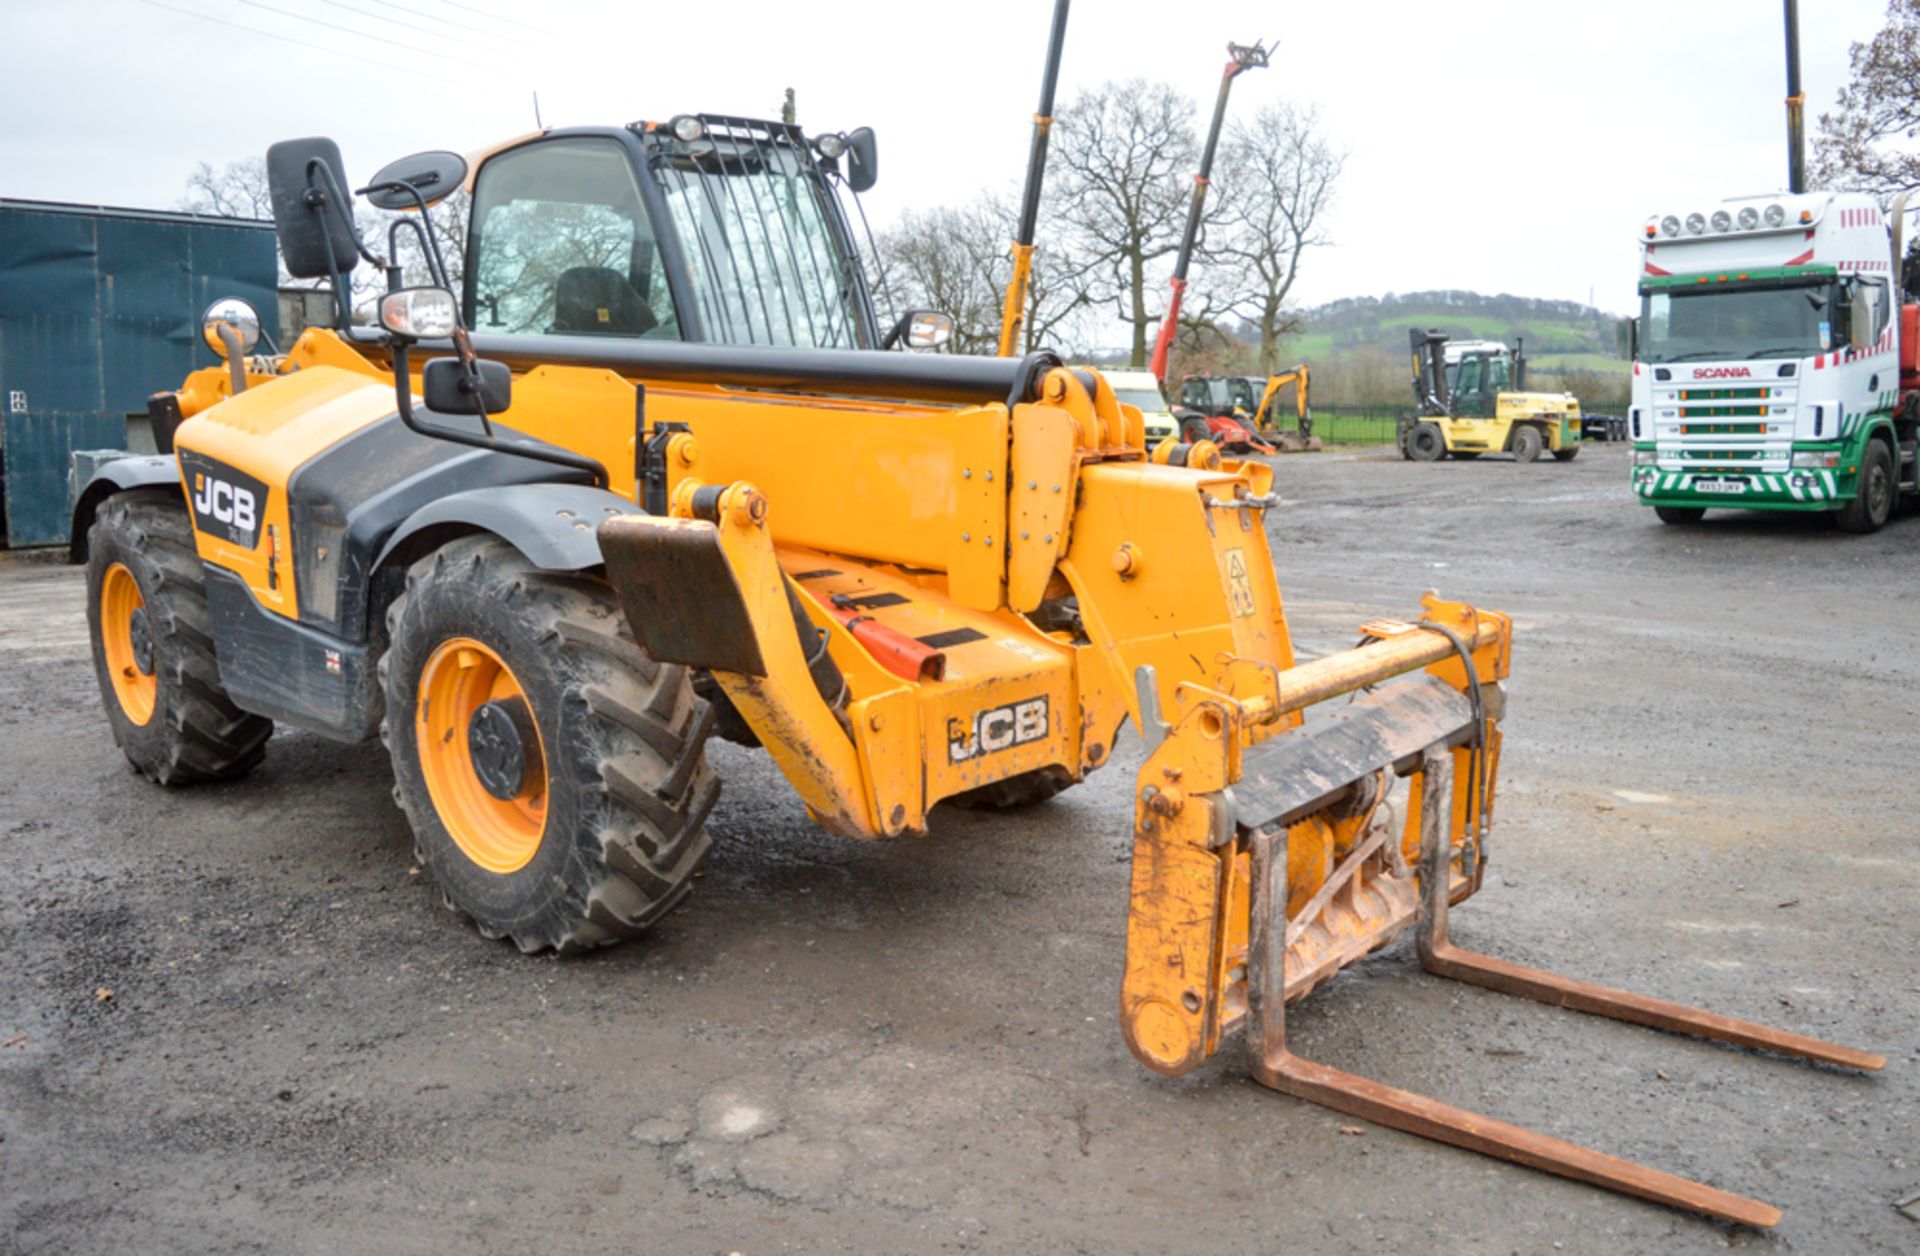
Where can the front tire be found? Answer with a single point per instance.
(1566, 455)
(1527, 444)
(1874, 494)
(554, 775)
(1425, 443)
(153, 646)
(1680, 515)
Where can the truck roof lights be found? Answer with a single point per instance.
(1696, 224)
(1776, 215)
(1722, 220)
(1670, 225)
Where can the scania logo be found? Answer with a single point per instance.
(1722, 372)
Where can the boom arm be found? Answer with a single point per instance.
(1239, 57)
(1013, 316)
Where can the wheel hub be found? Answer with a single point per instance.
(499, 737)
(140, 636)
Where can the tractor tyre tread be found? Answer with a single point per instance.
(196, 734)
(629, 788)
(1025, 790)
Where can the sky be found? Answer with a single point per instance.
(1494, 145)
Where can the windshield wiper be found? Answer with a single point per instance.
(1692, 357)
(1795, 350)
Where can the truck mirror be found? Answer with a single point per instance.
(863, 159)
(235, 317)
(449, 389)
(920, 329)
(434, 175)
(312, 214)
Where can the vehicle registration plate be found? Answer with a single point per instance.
(1720, 486)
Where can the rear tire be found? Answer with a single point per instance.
(619, 806)
(153, 646)
(1527, 443)
(1876, 489)
(1679, 515)
(1425, 443)
(1025, 790)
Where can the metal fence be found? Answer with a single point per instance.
(1342, 426)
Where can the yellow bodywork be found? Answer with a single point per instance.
(1556, 415)
(1072, 581)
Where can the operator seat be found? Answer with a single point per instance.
(598, 301)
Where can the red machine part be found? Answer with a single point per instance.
(1910, 348)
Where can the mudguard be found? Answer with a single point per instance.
(133, 471)
(551, 524)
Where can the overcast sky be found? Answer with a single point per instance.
(1497, 145)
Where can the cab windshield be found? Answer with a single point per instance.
(1721, 323)
(1146, 400)
(767, 258)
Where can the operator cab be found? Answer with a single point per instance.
(704, 229)
(1477, 376)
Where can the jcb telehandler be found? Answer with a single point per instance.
(1470, 399)
(652, 475)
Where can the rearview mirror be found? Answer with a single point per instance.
(863, 159)
(230, 323)
(920, 329)
(435, 175)
(312, 214)
(450, 390)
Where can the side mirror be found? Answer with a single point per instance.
(450, 390)
(312, 213)
(863, 159)
(229, 324)
(920, 329)
(435, 175)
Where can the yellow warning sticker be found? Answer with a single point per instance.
(1239, 584)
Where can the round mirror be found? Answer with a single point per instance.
(235, 313)
(435, 175)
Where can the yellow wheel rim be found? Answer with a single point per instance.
(499, 834)
(128, 639)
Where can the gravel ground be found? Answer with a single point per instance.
(1708, 792)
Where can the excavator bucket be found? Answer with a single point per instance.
(1295, 443)
(1266, 861)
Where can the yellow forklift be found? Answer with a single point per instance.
(1470, 399)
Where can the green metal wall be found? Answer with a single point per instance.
(98, 309)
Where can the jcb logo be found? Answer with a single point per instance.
(227, 503)
(223, 502)
(997, 728)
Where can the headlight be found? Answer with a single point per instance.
(419, 313)
(1670, 225)
(687, 128)
(1645, 457)
(1816, 457)
(1722, 220)
(830, 146)
(1696, 224)
(1749, 218)
(1776, 215)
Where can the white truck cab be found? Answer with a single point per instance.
(1767, 368)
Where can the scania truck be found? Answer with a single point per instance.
(1774, 360)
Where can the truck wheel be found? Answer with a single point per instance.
(555, 776)
(153, 646)
(1527, 443)
(1680, 514)
(1566, 455)
(1872, 504)
(1015, 792)
(1425, 443)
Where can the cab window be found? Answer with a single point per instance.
(561, 245)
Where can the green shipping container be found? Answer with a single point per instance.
(99, 308)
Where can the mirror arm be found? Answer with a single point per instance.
(403, 401)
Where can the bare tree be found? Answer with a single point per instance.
(1277, 179)
(955, 260)
(236, 190)
(1868, 143)
(1125, 153)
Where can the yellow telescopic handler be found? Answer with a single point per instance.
(657, 471)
